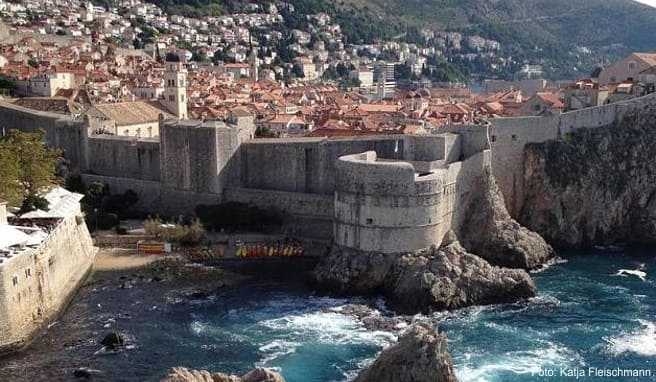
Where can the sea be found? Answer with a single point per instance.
(590, 321)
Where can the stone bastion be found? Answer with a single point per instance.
(387, 206)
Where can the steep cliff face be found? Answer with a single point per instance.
(421, 355)
(491, 233)
(595, 186)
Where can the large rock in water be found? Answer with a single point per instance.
(431, 280)
(595, 186)
(420, 356)
(491, 233)
(181, 374)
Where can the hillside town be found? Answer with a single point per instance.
(76, 58)
(275, 190)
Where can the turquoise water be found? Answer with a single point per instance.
(584, 316)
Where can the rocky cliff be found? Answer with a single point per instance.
(420, 356)
(181, 374)
(491, 233)
(431, 280)
(595, 186)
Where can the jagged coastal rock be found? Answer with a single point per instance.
(181, 374)
(431, 280)
(421, 355)
(491, 233)
(595, 186)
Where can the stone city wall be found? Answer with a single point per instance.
(306, 215)
(36, 285)
(389, 207)
(307, 165)
(382, 206)
(508, 136)
(124, 157)
(149, 192)
(61, 131)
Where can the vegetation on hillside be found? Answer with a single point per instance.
(554, 33)
(567, 37)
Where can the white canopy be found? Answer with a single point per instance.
(10, 236)
(61, 203)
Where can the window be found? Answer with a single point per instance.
(171, 98)
(182, 98)
(28, 272)
(370, 221)
(493, 138)
(632, 65)
(514, 138)
(14, 280)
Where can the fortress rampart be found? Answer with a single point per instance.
(37, 283)
(404, 190)
(508, 136)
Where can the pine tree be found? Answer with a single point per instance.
(27, 166)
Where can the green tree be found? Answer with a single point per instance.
(10, 188)
(27, 166)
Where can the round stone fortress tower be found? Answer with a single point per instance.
(387, 206)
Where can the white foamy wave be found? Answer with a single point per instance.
(641, 341)
(554, 261)
(330, 328)
(276, 349)
(198, 327)
(212, 331)
(527, 362)
(350, 375)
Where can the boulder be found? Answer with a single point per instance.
(262, 375)
(181, 374)
(451, 278)
(421, 355)
(85, 373)
(113, 340)
(425, 281)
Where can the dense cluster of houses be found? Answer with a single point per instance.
(61, 58)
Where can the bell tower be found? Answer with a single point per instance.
(254, 66)
(175, 87)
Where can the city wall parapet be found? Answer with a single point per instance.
(36, 284)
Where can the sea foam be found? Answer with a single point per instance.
(641, 341)
(329, 328)
(525, 362)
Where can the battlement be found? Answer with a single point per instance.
(396, 205)
(206, 162)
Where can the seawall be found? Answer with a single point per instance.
(37, 284)
(509, 136)
(196, 162)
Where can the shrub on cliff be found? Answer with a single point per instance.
(187, 235)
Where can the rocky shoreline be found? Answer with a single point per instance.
(432, 280)
(420, 355)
